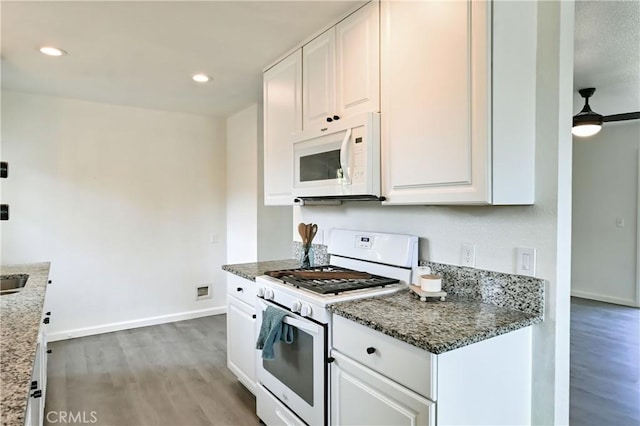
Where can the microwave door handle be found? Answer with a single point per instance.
(343, 155)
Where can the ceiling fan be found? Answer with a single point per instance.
(588, 123)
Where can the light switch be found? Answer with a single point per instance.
(526, 261)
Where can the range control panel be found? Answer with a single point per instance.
(364, 241)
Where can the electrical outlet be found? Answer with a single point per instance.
(469, 255)
(526, 261)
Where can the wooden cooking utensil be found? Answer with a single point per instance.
(314, 231)
(308, 233)
(302, 230)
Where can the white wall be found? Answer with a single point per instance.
(242, 186)
(605, 189)
(254, 232)
(122, 201)
(497, 231)
(274, 222)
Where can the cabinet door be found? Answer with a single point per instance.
(435, 97)
(282, 118)
(241, 342)
(34, 414)
(44, 360)
(360, 396)
(318, 80)
(358, 62)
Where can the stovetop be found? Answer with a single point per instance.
(332, 286)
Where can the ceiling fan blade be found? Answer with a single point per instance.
(622, 117)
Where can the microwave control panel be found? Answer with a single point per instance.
(359, 155)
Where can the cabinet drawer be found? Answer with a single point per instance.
(407, 365)
(272, 412)
(354, 386)
(242, 288)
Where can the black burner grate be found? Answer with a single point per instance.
(334, 286)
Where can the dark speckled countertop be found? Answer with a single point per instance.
(251, 270)
(434, 325)
(19, 325)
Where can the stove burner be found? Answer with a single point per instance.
(332, 286)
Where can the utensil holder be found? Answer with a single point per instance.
(307, 257)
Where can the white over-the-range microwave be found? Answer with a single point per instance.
(341, 161)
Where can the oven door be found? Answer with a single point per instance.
(297, 375)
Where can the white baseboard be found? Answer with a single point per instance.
(126, 325)
(603, 298)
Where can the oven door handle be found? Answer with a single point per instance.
(294, 322)
(302, 325)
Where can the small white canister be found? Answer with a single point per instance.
(418, 272)
(431, 283)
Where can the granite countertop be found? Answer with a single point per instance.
(434, 325)
(20, 322)
(251, 270)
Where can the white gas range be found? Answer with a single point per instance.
(293, 388)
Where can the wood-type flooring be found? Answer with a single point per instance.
(175, 374)
(605, 364)
(170, 374)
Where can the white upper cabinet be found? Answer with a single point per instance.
(318, 80)
(282, 118)
(358, 62)
(453, 130)
(341, 69)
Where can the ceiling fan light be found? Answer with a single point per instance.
(586, 122)
(52, 51)
(586, 130)
(201, 78)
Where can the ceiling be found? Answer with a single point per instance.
(143, 53)
(607, 55)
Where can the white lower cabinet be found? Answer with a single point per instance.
(241, 337)
(34, 415)
(379, 380)
(35, 404)
(360, 396)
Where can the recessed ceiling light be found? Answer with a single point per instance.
(201, 78)
(52, 51)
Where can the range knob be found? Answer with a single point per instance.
(260, 291)
(295, 307)
(268, 294)
(305, 310)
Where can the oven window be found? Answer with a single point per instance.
(322, 166)
(293, 364)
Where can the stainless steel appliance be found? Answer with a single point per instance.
(293, 388)
(341, 161)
